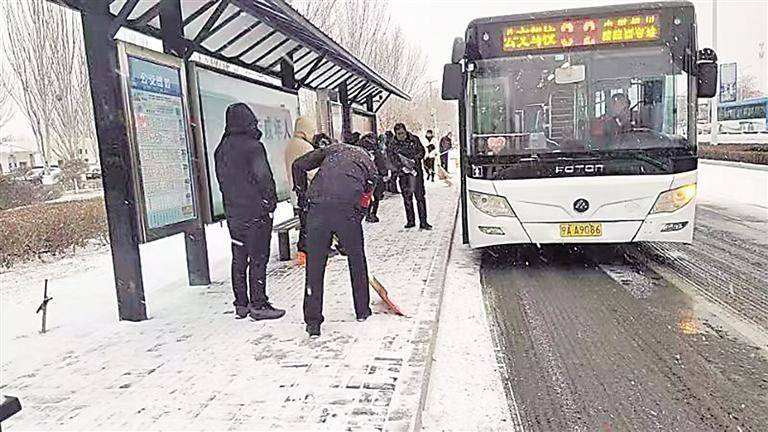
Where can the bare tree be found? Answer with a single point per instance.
(6, 112)
(48, 79)
(747, 87)
(366, 29)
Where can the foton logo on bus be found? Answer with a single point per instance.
(582, 32)
(580, 169)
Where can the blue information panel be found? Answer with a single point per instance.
(162, 144)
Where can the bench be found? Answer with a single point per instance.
(9, 406)
(283, 239)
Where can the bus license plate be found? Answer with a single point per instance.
(581, 230)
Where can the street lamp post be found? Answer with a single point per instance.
(432, 110)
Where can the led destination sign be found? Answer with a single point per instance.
(567, 33)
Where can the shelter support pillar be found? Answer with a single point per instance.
(287, 73)
(346, 109)
(369, 108)
(195, 242)
(116, 163)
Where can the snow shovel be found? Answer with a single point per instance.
(444, 176)
(382, 292)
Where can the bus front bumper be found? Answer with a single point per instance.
(665, 227)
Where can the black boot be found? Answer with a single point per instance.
(266, 312)
(241, 311)
(313, 330)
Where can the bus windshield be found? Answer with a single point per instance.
(597, 100)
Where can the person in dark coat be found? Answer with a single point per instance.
(336, 199)
(445, 145)
(407, 154)
(248, 188)
(369, 144)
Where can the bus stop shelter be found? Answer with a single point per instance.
(268, 37)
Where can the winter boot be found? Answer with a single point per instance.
(266, 312)
(313, 329)
(241, 312)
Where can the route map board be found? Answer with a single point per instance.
(162, 147)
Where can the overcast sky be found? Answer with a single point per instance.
(742, 24)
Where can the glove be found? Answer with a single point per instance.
(302, 201)
(366, 199)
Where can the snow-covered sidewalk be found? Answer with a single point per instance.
(466, 392)
(193, 366)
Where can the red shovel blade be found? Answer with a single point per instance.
(382, 292)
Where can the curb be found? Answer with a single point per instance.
(732, 164)
(440, 281)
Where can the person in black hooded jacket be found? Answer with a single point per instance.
(248, 187)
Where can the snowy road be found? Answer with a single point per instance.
(648, 337)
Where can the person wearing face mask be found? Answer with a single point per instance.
(248, 188)
(299, 145)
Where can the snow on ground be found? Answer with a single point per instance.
(82, 194)
(742, 188)
(192, 365)
(465, 388)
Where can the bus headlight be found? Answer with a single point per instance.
(675, 199)
(492, 205)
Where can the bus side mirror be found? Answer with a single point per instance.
(459, 49)
(452, 81)
(706, 73)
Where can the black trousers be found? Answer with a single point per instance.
(322, 222)
(250, 254)
(413, 187)
(301, 244)
(392, 184)
(378, 192)
(444, 161)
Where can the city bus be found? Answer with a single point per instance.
(579, 125)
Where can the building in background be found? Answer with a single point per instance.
(15, 155)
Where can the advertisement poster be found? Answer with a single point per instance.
(728, 82)
(276, 111)
(336, 121)
(362, 123)
(162, 144)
